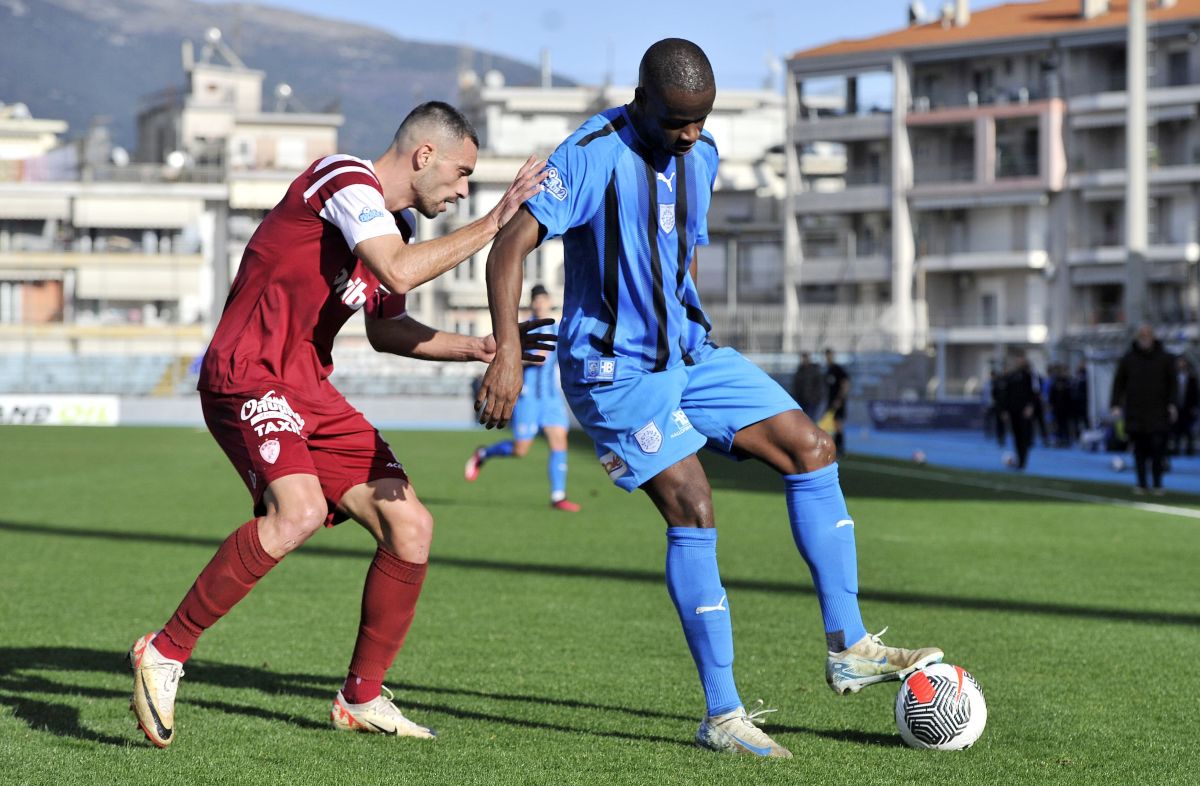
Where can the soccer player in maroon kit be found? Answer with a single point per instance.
(337, 243)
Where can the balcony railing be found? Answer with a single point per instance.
(1010, 164)
(955, 172)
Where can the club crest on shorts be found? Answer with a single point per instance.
(649, 438)
(613, 465)
(666, 218)
(269, 450)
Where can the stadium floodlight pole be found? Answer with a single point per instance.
(1135, 166)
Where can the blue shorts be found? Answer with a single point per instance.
(643, 424)
(532, 413)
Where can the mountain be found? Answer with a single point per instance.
(76, 60)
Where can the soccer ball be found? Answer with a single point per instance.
(1118, 463)
(918, 456)
(1009, 459)
(940, 707)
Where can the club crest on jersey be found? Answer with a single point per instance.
(666, 218)
(270, 414)
(370, 214)
(613, 465)
(269, 450)
(352, 290)
(554, 186)
(649, 438)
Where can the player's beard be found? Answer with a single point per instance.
(427, 204)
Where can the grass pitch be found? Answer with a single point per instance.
(545, 648)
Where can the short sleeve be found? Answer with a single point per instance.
(358, 210)
(706, 148)
(572, 192)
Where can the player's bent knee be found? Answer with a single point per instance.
(411, 527)
(287, 529)
(815, 450)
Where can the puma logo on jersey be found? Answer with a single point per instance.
(669, 181)
(352, 290)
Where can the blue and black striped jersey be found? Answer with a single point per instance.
(630, 219)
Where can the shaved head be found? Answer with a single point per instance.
(436, 122)
(676, 65)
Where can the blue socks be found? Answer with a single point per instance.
(695, 588)
(824, 533)
(500, 449)
(556, 468)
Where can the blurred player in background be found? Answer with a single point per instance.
(629, 193)
(336, 244)
(540, 408)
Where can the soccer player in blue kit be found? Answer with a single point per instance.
(629, 192)
(540, 408)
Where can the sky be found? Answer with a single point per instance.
(592, 40)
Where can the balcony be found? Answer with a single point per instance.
(1118, 255)
(956, 261)
(842, 128)
(850, 199)
(1116, 100)
(959, 326)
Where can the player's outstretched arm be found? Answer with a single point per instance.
(502, 381)
(402, 267)
(410, 338)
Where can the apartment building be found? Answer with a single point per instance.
(116, 256)
(983, 201)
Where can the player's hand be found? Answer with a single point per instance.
(526, 184)
(500, 388)
(535, 346)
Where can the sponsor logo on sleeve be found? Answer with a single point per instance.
(613, 465)
(370, 214)
(554, 186)
(682, 424)
(598, 369)
(271, 414)
(649, 438)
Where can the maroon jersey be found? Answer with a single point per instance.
(299, 282)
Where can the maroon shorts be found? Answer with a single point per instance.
(268, 434)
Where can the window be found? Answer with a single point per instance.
(1177, 68)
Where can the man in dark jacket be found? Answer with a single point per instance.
(1187, 404)
(1019, 404)
(808, 386)
(1143, 392)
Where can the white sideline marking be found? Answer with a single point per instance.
(1032, 491)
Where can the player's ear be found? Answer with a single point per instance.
(639, 97)
(423, 155)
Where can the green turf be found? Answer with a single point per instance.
(545, 648)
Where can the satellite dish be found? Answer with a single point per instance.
(212, 35)
(283, 90)
(493, 78)
(177, 159)
(119, 156)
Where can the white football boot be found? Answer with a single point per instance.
(155, 679)
(870, 661)
(378, 716)
(737, 732)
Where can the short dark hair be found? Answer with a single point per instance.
(676, 64)
(438, 117)
(537, 289)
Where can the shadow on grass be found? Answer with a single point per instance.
(939, 601)
(29, 672)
